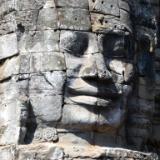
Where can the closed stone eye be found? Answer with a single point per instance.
(73, 42)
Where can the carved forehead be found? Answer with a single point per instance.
(91, 15)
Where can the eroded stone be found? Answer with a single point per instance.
(49, 114)
(9, 68)
(72, 3)
(105, 7)
(74, 19)
(8, 46)
(51, 82)
(39, 41)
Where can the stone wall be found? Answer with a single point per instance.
(77, 77)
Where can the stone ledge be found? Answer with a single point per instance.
(51, 151)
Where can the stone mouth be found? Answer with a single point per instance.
(90, 100)
(101, 96)
(102, 92)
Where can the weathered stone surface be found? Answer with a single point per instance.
(124, 5)
(110, 139)
(30, 5)
(7, 6)
(108, 23)
(8, 46)
(46, 107)
(9, 67)
(157, 78)
(74, 19)
(46, 134)
(61, 151)
(140, 132)
(81, 86)
(42, 62)
(122, 68)
(27, 20)
(13, 98)
(10, 127)
(47, 61)
(72, 3)
(76, 74)
(74, 115)
(8, 152)
(39, 41)
(105, 7)
(78, 43)
(8, 23)
(47, 19)
(51, 82)
(24, 61)
(144, 106)
(73, 65)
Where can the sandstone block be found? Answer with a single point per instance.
(75, 19)
(108, 23)
(72, 3)
(7, 5)
(78, 43)
(78, 116)
(8, 23)
(47, 19)
(10, 129)
(9, 68)
(47, 108)
(51, 82)
(80, 86)
(27, 20)
(105, 7)
(30, 5)
(7, 153)
(8, 46)
(47, 61)
(39, 41)
(124, 5)
(24, 64)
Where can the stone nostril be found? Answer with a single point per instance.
(104, 75)
(88, 72)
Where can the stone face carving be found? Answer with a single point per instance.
(92, 86)
(77, 72)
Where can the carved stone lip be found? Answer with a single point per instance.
(99, 93)
(90, 100)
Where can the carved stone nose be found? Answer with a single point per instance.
(89, 68)
(95, 67)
